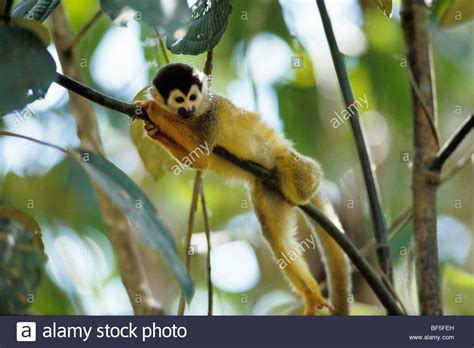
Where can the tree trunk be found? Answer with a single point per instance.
(424, 182)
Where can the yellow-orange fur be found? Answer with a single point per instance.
(243, 134)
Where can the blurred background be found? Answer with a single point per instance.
(274, 59)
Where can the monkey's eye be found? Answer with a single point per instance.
(179, 99)
(192, 97)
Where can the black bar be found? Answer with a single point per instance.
(292, 332)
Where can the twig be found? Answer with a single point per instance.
(6, 12)
(458, 166)
(380, 228)
(11, 134)
(452, 143)
(162, 46)
(263, 174)
(373, 279)
(187, 242)
(85, 29)
(419, 95)
(208, 256)
(99, 98)
(401, 220)
(208, 72)
(208, 65)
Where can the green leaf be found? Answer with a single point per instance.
(173, 16)
(22, 257)
(385, 6)
(36, 27)
(38, 10)
(209, 21)
(139, 209)
(452, 12)
(458, 287)
(26, 67)
(155, 157)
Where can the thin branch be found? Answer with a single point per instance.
(162, 46)
(99, 98)
(460, 164)
(11, 134)
(85, 29)
(208, 72)
(7, 11)
(187, 243)
(208, 256)
(407, 214)
(452, 143)
(373, 279)
(380, 228)
(208, 66)
(419, 95)
(405, 217)
(266, 176)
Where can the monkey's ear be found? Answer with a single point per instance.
(156, 95)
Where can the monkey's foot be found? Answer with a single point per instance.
(313, 306)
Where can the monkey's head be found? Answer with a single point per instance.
(181, 90)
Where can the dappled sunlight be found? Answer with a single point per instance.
(234, 267)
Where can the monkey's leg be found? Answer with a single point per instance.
(299, 175)
(276, 217)
(335, 260)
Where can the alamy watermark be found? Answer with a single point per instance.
(350, 111)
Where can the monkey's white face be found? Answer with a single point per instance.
(192, 104)
(183, 105)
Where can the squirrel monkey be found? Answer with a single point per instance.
(185, 115)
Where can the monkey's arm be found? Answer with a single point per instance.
(178, 137)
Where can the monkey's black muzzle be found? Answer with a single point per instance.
(186, 113)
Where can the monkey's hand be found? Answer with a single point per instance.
(299, 176)
(177, 136)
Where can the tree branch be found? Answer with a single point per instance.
(380, 228)
(100, 98)
(208, 254)
(268, 178)
(189, 234)
(452, 143)
(85, 29)
(210, 293)
(6, 12)
(414, 21)
(407, 214)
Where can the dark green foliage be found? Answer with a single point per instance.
(172, 18)
(208, 25)
(26, 67)
(38, 10)
(140, 210)
(21, 263)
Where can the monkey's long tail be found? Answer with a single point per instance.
(336, 263)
